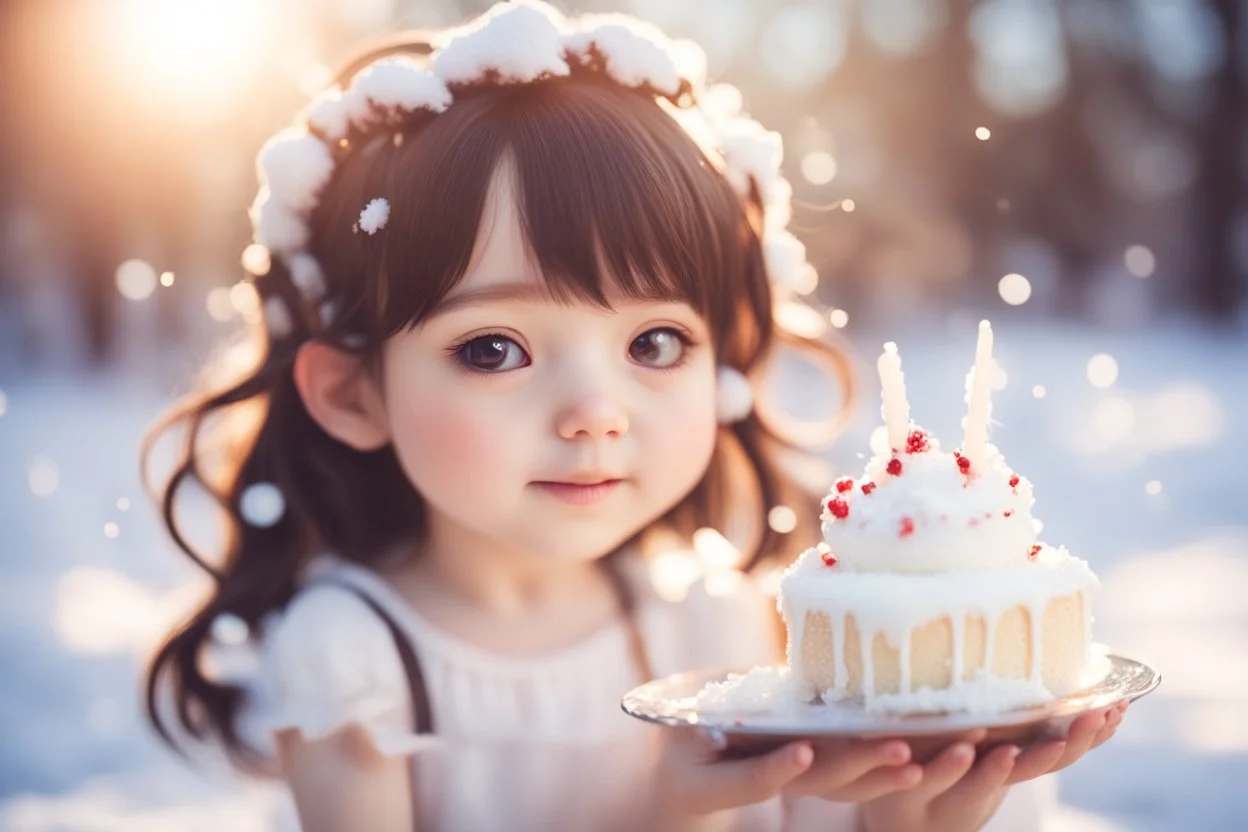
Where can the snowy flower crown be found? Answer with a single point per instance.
(516, 43)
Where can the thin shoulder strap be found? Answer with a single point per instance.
(422, 713)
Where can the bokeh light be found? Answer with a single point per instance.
(123, 504)
(1014, 289)
(43, 476)
(848, 206)
(1102, 370)
(672, 573)
(839, 318)
(1038, 391)
(218, 303)
(715, 550)
(1186, 414)
(230, 630)
(983, 134)
(803, 44)
(1140, 261)
(111, 530)
(1153, 487)
(136, 279)
(799, 319)
(901, 27)
(262, 504)
(1020, 55)
(819, 167)
(246, 301)
(256, 260)
(782, 519)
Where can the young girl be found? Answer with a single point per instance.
(519, 279)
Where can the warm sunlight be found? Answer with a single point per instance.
(196, 53)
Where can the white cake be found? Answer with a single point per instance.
(931, 592)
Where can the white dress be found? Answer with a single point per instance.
(522, 742)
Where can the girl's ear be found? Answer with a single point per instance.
(341, 396)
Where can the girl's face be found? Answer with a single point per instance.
(557, 430)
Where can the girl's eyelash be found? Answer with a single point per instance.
(465, 341)
(453, 351)
(686, 338)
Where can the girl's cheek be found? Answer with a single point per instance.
(685, 431)
(451, 447)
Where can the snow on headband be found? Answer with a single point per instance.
(516, 43)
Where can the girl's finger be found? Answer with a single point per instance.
(740, 782)
(940, 774)
(988, 775)
(1111, 725)
(1036, 760)
(835, 768)
(877, 783)
(1079, 740)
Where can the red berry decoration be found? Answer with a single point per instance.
(868, 487)
(829, 559)
(838, 508)
(964, 463)
(1008, 513)
(1035, 550)
(916, 442)
(907, 527)
(1014, 481)
(894, 467)
(844, 484)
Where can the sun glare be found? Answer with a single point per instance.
(196, 54)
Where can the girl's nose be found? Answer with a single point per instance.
(592, 417)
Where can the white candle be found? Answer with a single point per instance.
(896, 409)
(979, 407)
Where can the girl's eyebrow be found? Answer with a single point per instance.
(499, 291)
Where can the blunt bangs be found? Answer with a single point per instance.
(612, 194)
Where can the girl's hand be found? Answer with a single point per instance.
(692, 782)
(958, 794)
(1086, 733)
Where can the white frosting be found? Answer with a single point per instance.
(762, 688)
(894, 604)
(932, 517)
(985, 694)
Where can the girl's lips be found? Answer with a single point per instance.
(579, 494)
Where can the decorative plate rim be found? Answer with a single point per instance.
(670, 701)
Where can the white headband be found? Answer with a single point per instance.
(519, 42)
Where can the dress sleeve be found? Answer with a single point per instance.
(329, 661)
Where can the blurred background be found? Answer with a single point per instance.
(1071, 169)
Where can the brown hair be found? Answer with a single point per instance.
(608, 183)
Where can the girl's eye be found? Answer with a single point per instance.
(491, 354)
(662, 347)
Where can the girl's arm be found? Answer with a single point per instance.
(342, 783)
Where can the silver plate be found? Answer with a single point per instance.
(673, 701)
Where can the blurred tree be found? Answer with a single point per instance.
(1219, 192)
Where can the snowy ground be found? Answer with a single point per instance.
(77, 604)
